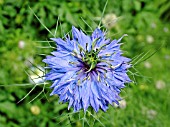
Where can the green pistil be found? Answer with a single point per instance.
(91, 59)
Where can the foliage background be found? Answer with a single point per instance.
(147, 25)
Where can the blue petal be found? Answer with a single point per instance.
(71, 100)
(86, 41)
(60, 54)
(64, 45)
(95, 89)
(86, 95)
(103, 105)
(53, 76)
(81, 38)
(93, 103)
(54, 83)
(77, 36)
(57, 61)
(97, 34)
(76, 33)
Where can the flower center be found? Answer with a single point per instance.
(91, 59)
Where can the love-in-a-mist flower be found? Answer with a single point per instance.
(87, 70)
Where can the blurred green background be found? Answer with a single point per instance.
(146, 102)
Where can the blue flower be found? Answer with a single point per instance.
(87, 70)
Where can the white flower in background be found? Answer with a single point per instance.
(122, 104)
(166, 29)
(160, 84)
(109, 20)
(149, 39)
(21, 44)
(167, 57)
(153, 25)
(151, 114)
(36, 75)
(147, 64)
(35, 110)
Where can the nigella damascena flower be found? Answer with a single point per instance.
(87, 70)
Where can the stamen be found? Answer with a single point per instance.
(84, 79)
(98, 76)
(108, 54)
(73, 63)
(88, 77)
(86, 46)
(114, 67)
(69, 80)
(79, 72)
(79, 83)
